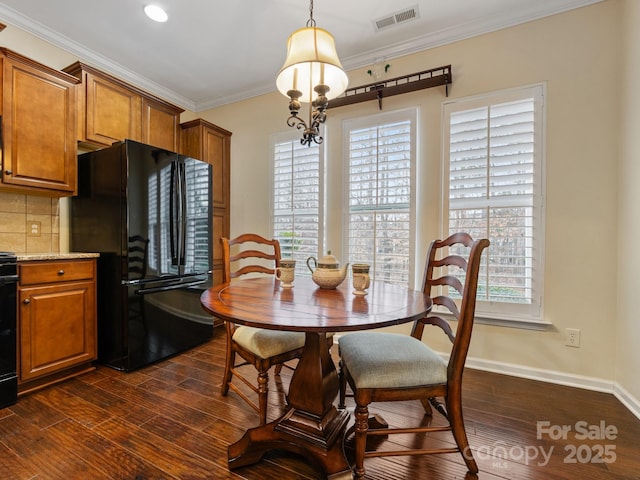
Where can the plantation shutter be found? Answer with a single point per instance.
(297, 200)
(494, 191)
(380, 195)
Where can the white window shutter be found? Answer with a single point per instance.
(381, 160)
(494, 163)
(297, 199)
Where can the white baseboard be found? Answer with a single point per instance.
(627, 399)
(552, 376)
(559, 378)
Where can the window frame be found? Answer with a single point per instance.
(507, 313)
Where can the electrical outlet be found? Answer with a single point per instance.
(34, 227)
(572, 337)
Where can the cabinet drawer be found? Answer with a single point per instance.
(33, 273)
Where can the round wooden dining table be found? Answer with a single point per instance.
(311, 426)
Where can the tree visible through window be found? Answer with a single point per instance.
(381, 158)
(493, 163)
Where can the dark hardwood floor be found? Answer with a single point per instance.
(168, 421)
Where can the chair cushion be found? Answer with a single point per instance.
(390, 360)
(267, 343)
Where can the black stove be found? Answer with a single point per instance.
(8, 289)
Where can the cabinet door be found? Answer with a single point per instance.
(160, 125)
(113, 113)
(57, 328)
(216, 152)
(38, 129)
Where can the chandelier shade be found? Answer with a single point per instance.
(311, 60)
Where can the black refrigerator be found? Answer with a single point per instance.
(147, 212)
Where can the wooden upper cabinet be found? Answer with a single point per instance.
(110, 110)
(38, 127)
(160, 124)
(205, 141)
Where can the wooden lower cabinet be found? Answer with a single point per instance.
(56, 321)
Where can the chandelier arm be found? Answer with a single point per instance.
(295, 121)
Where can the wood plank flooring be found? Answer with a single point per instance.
(168, 421)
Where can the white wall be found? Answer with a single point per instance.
(578, 55)
(628, 299)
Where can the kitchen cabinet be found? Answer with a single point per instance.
(160, 124)
(111, 110)
(57, 330)
(39, 148)
(205, 141)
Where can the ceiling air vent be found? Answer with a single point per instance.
(397, 18)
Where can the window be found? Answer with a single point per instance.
(297, 198)
(380, 157)
(493, 160)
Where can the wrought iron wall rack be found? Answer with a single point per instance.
(395, 86)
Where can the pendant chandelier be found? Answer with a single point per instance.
(312, 66)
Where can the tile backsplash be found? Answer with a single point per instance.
(29, 223)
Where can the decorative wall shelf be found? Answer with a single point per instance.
(395, 86)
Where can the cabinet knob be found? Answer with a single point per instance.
(26, 301)
(60, 272)
(8, 172)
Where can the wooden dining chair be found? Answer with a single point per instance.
(384, 367)
(262, 348)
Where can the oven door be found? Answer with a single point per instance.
(8, 375)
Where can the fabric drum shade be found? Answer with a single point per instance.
(311, 60)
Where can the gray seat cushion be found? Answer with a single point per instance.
(267, 343)
(390, 360)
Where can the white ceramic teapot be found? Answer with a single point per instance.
(326, 272)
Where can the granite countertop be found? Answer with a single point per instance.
(27, 257)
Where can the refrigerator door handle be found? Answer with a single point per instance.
(172, 208)
(183, 212)
(144, 291)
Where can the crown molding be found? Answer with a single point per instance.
(465, 31)
(424, 42)
(92, 58)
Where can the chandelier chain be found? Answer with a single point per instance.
(311, 22)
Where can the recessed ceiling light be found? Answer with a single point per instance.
(154, 12)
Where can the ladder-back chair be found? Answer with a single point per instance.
(383, 367)
(262, 348)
